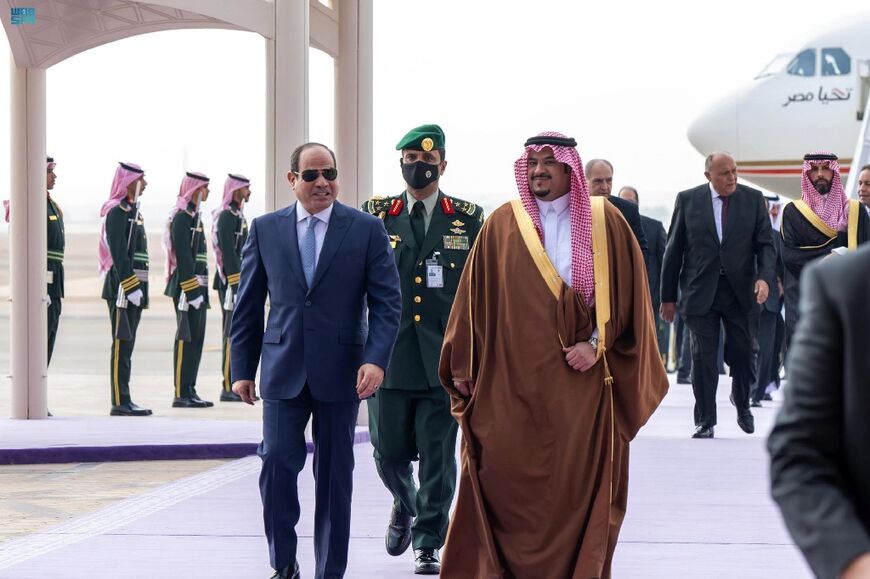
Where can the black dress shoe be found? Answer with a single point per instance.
(755, 404)
(703, 432)
(683, 380)
(767, 397)
(426, 562)
(129, 409)
(398, 532)
(746, 422)
(230, 396)
(288, 572)
(195, 396)
(190, 403)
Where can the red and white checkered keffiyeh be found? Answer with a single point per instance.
(190, 184)
(582, 271)
(831, 208)
(232, 184)
(125, 173)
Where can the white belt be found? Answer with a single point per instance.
(49, 277)
(141, 275)
(202, 280)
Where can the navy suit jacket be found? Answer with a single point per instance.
(318, 335)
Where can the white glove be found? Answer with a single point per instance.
(135, 298)
(47, 300)
(196, 302)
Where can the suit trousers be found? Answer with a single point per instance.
(187, 355)
(684, 350)
(120, 364)
(405, 425)
(283, 452)
(226, 319)
(738, 353)
(768, 353)
(54, 309)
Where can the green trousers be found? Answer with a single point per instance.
(187, 355)
(122, 352)
(407, 425)
(226, 317)
(53, 320)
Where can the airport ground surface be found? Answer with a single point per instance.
(696, 507)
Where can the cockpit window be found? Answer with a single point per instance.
(777, 65)
(804, 63)
(835, 62)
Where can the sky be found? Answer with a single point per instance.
(624, 78)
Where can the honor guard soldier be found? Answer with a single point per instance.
(410, 418)
(228, 235)
(187, 285)
(56, 242)
(123, 253)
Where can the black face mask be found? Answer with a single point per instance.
(419, 174)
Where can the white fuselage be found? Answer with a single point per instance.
(802, 102)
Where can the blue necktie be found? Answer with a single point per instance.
(309, 251)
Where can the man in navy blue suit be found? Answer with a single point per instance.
(321, 264)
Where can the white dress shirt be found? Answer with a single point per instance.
(717, 211)
(556, 221)
(319, 228)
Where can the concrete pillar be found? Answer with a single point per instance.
(286, 96)
(27, 247)
(353, 100)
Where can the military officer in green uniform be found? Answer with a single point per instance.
(123, 254)
(410, 418)
(56, 242)
(229, 233)
(187, 285)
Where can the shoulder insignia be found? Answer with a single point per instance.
(447, 206)
(396, 206)
(465, 207)
(377, 205)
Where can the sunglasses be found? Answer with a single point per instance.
(310, 175)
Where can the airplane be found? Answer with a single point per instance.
(809, 99)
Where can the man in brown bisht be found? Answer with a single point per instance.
(551, 361)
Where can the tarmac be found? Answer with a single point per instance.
(696, 507)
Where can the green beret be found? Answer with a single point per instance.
(423, 138)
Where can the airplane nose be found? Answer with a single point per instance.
(716, 128)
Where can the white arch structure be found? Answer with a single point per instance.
(64, 28)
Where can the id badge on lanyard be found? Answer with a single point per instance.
(434, 272)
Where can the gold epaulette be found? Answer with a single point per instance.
(464, 206)
(378, 206)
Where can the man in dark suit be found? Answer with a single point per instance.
(321, 264)
(599, 176)
(819, 472)
(770, 324)
(656, 240)
(720, 254)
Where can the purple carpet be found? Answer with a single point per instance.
(64, 440)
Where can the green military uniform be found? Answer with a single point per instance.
(56, 243)
(191, 277)
(130, 271)
(232, 232)
(410, 416)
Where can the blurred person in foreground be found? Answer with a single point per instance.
(820, 475)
